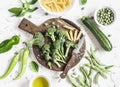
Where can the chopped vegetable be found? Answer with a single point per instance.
(38, 40)
(6, 45)
(24, 63)
(34, 66)
(68, 27)
(51, 33)
(26, 7)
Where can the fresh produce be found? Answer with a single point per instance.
(24, 63)
(12, 65)
(91, 71)
(9, 43)
(34, 66)
(69, 44)
(51, 33)
(101, 37)
(37, 40)
(26, 7)
(83, 2)
(105, 16)
(54, 52)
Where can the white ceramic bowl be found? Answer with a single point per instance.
(32, 80)
(56, 13)
(95, 16)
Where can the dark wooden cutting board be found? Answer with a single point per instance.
(28, 26)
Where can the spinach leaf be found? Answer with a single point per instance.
(34, 66)
(32, 2)
(16, 11)
(83, 2)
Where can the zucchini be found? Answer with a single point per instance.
(100, 36)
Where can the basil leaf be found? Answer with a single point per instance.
(16, 11)
(32, 2)
(34, 66)
(32, 9)
(83, 2)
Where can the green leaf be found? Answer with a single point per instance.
(33, 9)
(32, 2)
(16, 11)
(83, 2)
(34, 66)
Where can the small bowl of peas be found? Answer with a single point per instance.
(104, 16)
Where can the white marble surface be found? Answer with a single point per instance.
(9, 27)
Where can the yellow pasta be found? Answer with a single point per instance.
(56, 5)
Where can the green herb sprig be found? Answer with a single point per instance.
(83, 2)
(21, 11)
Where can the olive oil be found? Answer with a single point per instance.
(40, 82)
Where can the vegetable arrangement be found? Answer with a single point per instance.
(57, 49)
(25, 55)
(6, 45)
(26, 7)
(101, 37)
(88, 70)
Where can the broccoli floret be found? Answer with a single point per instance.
(38, 40)
(51, 33)
(61, 34)
(46, 51)
(68, 45)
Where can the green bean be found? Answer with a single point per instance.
(81, 81)
(73, 81)
(96, 78)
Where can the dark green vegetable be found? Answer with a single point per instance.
(34, 66)
(68, 45)
(51, 33)
(26, 7)
(38, 40)
(101, 37)
(11, 66)
(24, 63)
(83, 2)
(8, 44)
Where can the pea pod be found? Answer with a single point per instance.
(24, 63)
(11, 66)
(8, 44)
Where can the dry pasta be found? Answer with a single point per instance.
(56, 5)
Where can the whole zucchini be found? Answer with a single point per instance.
(100, 36)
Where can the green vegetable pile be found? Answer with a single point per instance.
(26, 7)
(105, 16)
(57, 49)
(88, 71)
